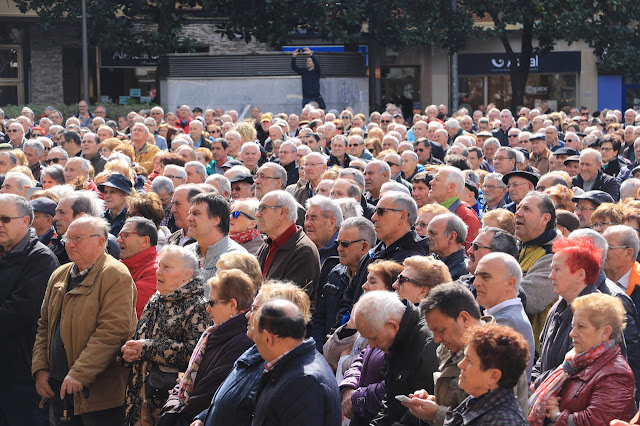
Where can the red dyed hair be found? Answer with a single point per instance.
(581, 253)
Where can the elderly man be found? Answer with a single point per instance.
(551, 135)
(91, 151)
(7, 161)
(498, 279)
(26, 265)
(143, 150)
(77, 167)
(287, 159)
(78, 340)
(287, 253)
(394, 217)
(376, 173)
(241, 186)
(620, 265)
(539, 157)
(446, 188)
(209, 225)
(505, 160)
(298, 384)
(591, 176)
(196, 132)
(536, 230)
(519, 183)
(356, 236)
(321, 224)
(16, 135)
(184, 118)
(250, 156)
(501, 133)
(587, 203)
(33, 150)
(16, 183)
(447, 232)
(426, 151)
(396, 328)
(410, 166)
(138, 241)
(44, 209)
(493, 192)
(357, 149)
(314, 167)
(180, 206)
(272, 177)
(196, 172)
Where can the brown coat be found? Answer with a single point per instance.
(97, 318)
(145, 156)
(541, 163)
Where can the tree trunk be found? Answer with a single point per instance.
(519, 71)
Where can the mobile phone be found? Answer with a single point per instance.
(403, 398)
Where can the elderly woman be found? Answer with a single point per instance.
(595, 384)
(494, 359)
(234, 401)
(420, 274)
(243, 226)
(219, 347)
(52, 176)
(166, 334)
(116, 190)
(606, 215)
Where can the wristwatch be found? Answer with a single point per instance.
(555, 419)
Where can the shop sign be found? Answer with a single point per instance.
(498, 63)
(121, 59)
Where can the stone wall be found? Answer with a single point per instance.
(206, 34)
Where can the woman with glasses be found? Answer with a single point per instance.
(230, 296)
(234, 400)
(167, 331)
(243, 226)
(606, 215)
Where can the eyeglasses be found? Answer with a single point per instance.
(390, 163)
(237, 214)
(346, 244)
(352, 145)
(76, 240)
(606, 149)
(402, 279)
(584, 209)
(380, 210)
(7, 219)
(513, 136)
(124, 234)
(13, 131)
(477, 247)
(52, 160)
(618, 247)
(385, 121)
(262, 209)
(261, 176)
(602, 224)
(420, 149)
(339, 128)
(516, 184)
(489, 187)
(345, 117)
(172, 177)
(212, 303)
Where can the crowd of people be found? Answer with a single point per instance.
(328, 268)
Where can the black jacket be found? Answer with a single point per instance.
(330, 291)
(455, 263)
(293, 174)
(310, 79)
(604, 183)
(410, 365)
(300, 390)
(25, 273)
(410, 244)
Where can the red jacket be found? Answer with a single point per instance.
(143, 267)
(601, 392)
(468, 216)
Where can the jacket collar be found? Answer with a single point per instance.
(146, 256)
(407, 326)
(587, 373)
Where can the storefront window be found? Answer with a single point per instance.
(401, 86)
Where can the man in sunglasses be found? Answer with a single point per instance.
(16, 135)
(138, 239)
(25, 265)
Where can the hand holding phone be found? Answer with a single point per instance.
(403, 398)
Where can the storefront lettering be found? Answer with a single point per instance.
(500, 63)
(532, 90)
(122, 59)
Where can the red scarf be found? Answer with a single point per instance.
(245, 236)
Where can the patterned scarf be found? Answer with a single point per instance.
(243, 237)
(552, 385)
(189, 378)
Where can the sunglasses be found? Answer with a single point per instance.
(346, 244)
(392, 164)
(353, 145)
(402, 279)
(385, 121)
(236, 214)
(345, 117)
(477, 247)
(380, 210)
(13, 131)
(7, 219)
(212, 303)
(53, 160)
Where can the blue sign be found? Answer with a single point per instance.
(123, 100)
(145, 99)
(134, 93)
(498, 63)
(104, 99)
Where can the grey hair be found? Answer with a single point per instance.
(599, 240)
(141, 124)
(280, 172)
(472, 176)
(411, 154)
(22, 205)
(23, 180)
(629, 188)
(465, 150)
(511, 266)
(180, 171)
(288, 143)
(86, 202)
(120, 156)
(318, 156)
(286, 200)
(162, 183)
(249, 144)
(377, 307)
(511, 153)
(35, 144)
(394, 186)
(200, 169)
(328, 207)
(187, 258)
(223, 183)
(592, 151)
(358, 176)
(404, 202)
(366, 229)
(395, 140)
(350, 207)
(519, 157)
(452, 123)
(59, 150)
(454, 175)
(492, 141)
(502, 241)
(382, 167)
(497, 177)
(99, 224)
(455, 224)
(628, 237)
(12, 158)
(55, 172)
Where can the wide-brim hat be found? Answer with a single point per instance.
(118, 181)
(520, 173)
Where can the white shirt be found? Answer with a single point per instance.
(624, 280)
(500, 306)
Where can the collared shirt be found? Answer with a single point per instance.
(274, 245)
(75, 273)
(588, 185)
(500, 306)
(271, 364)
(624, 280)
(450, 201)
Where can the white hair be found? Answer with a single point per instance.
(23, 180)
(350, 208)
(394, 186)
(177, 170)
(328, 207)
(452, 123)
(188, 258)
(286, 200)
(454, 175)
(200, 169)
(375, 308)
